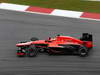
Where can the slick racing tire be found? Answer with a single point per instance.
(32, 52)
(34, 39)
(41, 50)
(83, 51)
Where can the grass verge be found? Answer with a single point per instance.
(76, 5)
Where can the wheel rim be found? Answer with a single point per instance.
(83, 51)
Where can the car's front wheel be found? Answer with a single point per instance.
(32, 52)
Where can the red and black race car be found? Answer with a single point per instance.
(57, 45)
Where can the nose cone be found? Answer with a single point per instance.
(23, 44)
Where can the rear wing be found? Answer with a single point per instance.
(86, 37)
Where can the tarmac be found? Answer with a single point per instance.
(19, 26)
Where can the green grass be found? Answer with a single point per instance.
(76, 5)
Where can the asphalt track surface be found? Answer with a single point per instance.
(18, 26)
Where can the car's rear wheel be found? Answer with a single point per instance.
(83, 51)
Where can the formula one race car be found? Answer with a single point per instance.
(57, 45)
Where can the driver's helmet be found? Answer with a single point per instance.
(58, 35)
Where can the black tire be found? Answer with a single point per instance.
(34, 39)
(41, 50)
(32, 52)
(83, 51)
